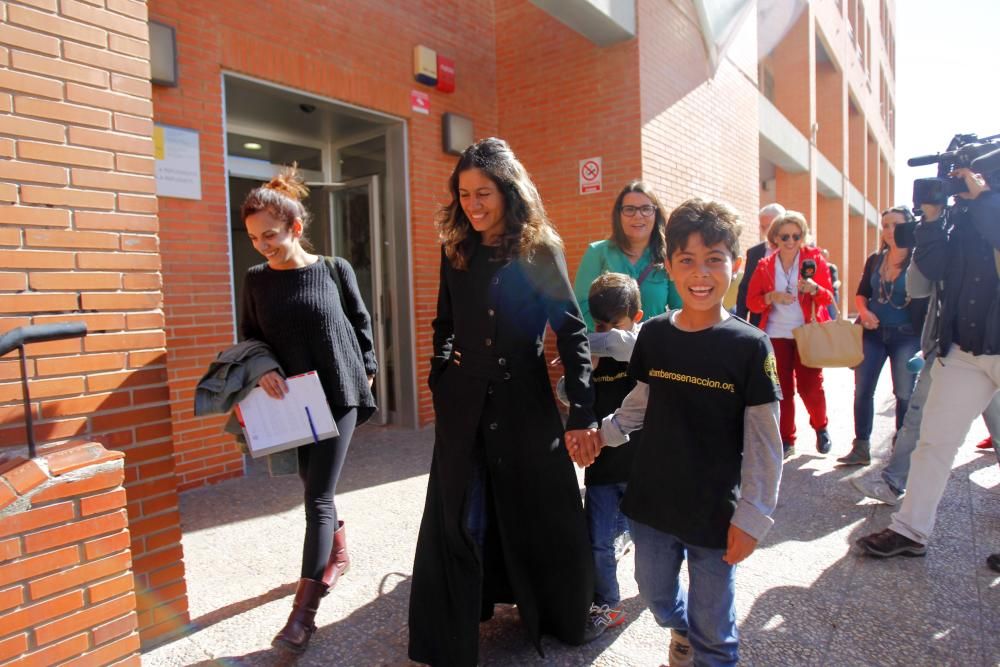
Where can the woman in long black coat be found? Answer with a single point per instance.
(503, 521)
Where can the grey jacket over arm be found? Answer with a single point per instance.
(233, 375)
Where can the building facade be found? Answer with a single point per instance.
(827, 115)
(739, 104)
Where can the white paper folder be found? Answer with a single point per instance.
(301, 417)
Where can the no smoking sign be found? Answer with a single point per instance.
(590, 173)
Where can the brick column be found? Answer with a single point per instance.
(66, 589)
(79, 242)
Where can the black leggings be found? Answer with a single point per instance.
(319, 467)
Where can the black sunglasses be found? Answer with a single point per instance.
(794, 237)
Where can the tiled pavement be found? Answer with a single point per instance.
(805, 597)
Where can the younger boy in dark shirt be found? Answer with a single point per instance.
(705, 478)
(614, 302)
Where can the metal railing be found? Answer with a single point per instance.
(38, 333)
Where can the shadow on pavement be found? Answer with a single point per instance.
(378, 455)
(243, 606)
(831, 620)
(376, 634)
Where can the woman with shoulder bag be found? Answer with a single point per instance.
(785, 301)
(313, 320)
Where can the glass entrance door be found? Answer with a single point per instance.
(356, 231)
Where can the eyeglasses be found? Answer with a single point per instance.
(646, 210)
(793, 237)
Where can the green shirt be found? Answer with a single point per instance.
(657, 291)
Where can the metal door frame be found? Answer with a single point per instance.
(371, 183)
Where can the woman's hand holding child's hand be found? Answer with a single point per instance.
(583, 446)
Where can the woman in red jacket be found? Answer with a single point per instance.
(786, 300)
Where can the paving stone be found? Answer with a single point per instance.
(805, 597)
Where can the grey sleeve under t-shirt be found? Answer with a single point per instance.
(760, 471)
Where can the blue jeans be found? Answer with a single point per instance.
(708, 615)
(604, 519)
(475, 512)
(897, 344)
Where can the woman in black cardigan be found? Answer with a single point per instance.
(310, 312)
(503, 521)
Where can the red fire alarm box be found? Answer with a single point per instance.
(445, 74)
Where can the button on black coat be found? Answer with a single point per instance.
(495, 407)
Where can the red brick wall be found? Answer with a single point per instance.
(321, 52)
(699, 129)
(79, 231)
(563, 99)
(66, 588)
(830, 113)
(794, 69)
(831, 232)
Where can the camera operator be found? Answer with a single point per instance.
(889, 484)
(960, 249)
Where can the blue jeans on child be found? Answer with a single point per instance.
(897, 344)
(604, 521)
(708, 614)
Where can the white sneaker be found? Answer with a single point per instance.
(623, 544)
(681, 653)
(877, 489)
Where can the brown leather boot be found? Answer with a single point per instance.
(339, 562)
(300, 626)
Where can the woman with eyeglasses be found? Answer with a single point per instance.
(786, 298)
(637, 247)
(892, 323)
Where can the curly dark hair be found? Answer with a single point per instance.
(526, 226)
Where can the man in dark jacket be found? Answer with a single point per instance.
(960, 249)
(754, 255)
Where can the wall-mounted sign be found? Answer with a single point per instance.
(425, 68)
(178, 162)
(445, 74)
(590, 172)
(420, 102)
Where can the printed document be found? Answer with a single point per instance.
(301, 417)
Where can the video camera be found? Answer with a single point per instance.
(965, 150)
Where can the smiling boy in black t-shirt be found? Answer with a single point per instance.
(706, 474)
